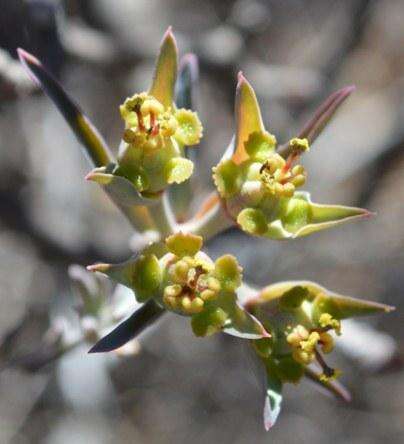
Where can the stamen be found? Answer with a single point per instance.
(329, 372)
(154, 125)
(140, 119)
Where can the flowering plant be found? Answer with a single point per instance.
(289, 325)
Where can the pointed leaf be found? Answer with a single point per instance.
(248, 117)
(165, 73)
(299, 216)
(330, 386)
(121, 190)
(324, 114)
(239, 322)
(188, 77)
(129, 329)
(273, 401)
(321, 118)
(87, 134)
(142, 274)
(340, 307)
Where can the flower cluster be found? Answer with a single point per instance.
(151, 153)
(188, 282)
(258, 185)
(291, 325)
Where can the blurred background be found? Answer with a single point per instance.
(180, 389)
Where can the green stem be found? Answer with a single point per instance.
(162, 216)
(214, 222)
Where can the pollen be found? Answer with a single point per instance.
(191, 287)
(279, 177)
(327, 321)
(299, 145)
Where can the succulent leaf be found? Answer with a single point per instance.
(165, 73)
(142, 274)
(248, 117)
(321, 117)
(129, 329)
(273, 400)
(120, 188)
(239, 322)
(85, 131)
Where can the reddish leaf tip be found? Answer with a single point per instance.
(98, 267)
(169, 33)
(25, 57)
(188, 59)
(240, 78)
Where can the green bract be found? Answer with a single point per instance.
(303, 319)
(186, 281)
(151, 153)
(258, 185)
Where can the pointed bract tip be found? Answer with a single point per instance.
(169, 34)
(369, 214)
(346, 90)
(268, 425)
(189, 59)
(93, 350)
(102, 268)
(240, 78)
(265, 334)
(389, 308)
(99, 176)
(26, 57)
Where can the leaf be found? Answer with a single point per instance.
(91, 290)
(188, 77)
(129, 328)
(273, 401)
(342, 307)
(141, 274)
(96, 148)
(324, 114)
(339, 306)
(165, 73)
(299, 216)
(330, 386)
(248, 117)
(239, 322)
(121, 190)
(321, 118)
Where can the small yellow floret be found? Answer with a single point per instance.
(326, 320)
(299, 145)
